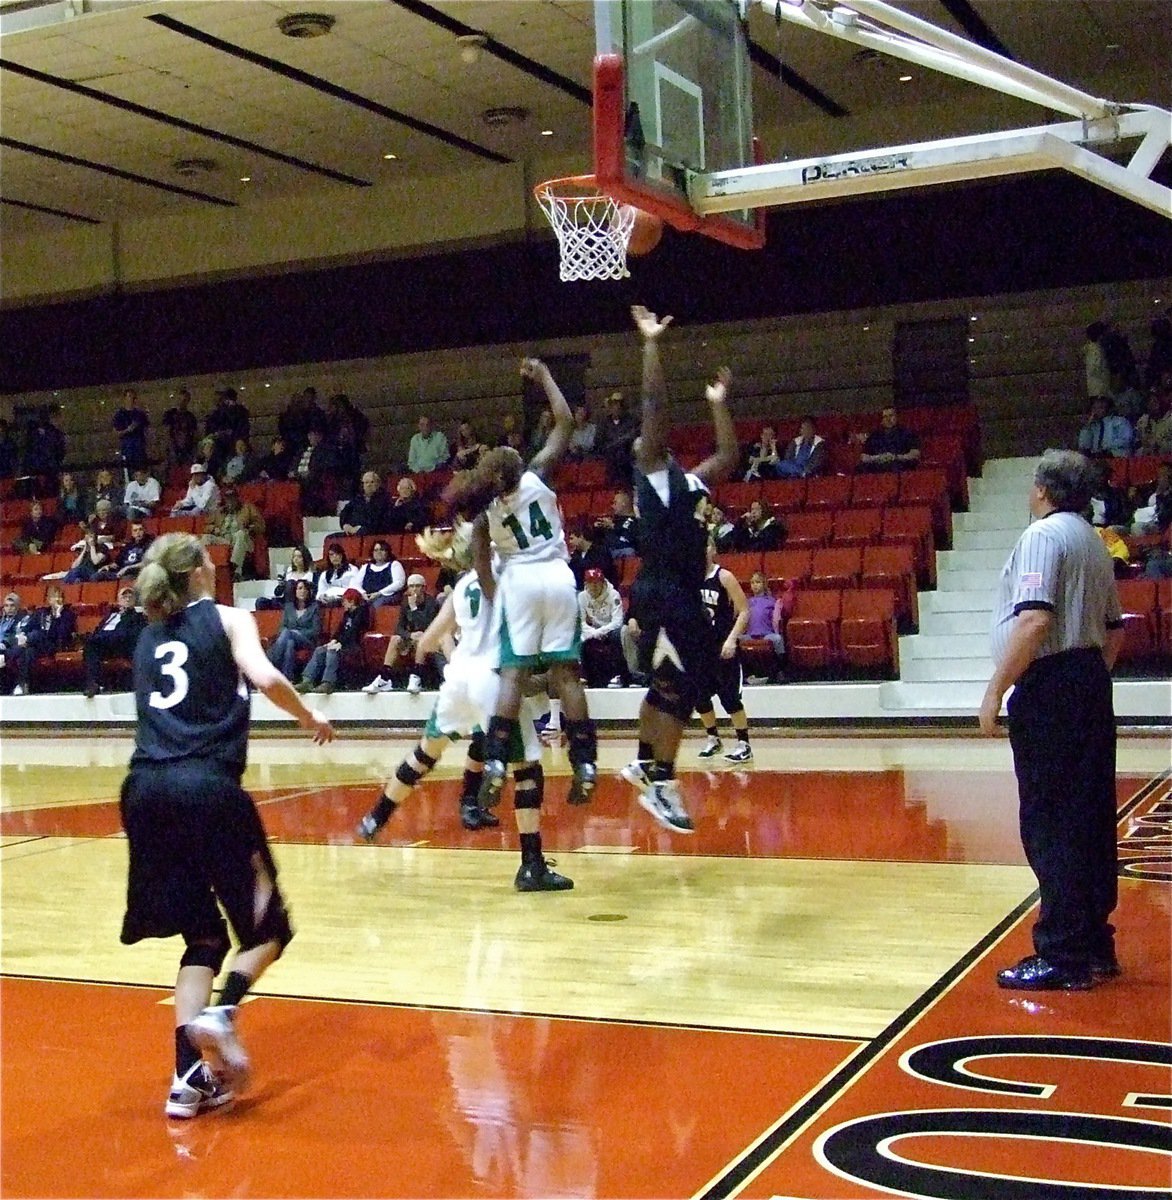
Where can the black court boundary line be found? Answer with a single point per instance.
(53, 212)
(406, 1006)
(163, 118)
(323, 85)
(775, 1139)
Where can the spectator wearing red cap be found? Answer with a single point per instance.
(601, 609)
(322, 670)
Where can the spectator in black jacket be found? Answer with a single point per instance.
(116, 637)
(277, 464)
(37, 532)
(586, 553)
(41, 634)
(44, 451)
(131, 424)
(326, 662)
(408, 514)
(129, 561)
(617, 533)
(371, 511)
(758, 529)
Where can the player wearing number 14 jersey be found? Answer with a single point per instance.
(196, 841)
(538, 601)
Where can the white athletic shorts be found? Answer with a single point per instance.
(465, 702)
(540, 623)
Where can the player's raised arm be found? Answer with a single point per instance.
(728, 451)
(558, 442)
(651, 448)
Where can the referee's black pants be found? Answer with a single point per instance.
(1062, 730)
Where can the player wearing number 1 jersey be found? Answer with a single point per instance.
(538, 601)
(196, 841)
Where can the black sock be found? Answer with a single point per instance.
(644, 753)
(531, 848)
(583, 741)
(384, 809)
(712, 731)
(234, 988)
(743, 736)
(471, 784)
(496, 740)
(186, 1055)
(662, 770)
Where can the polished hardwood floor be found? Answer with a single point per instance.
(796, 1001)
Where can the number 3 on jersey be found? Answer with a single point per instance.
(539, 526)
(171, 656)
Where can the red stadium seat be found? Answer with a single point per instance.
(1138, 599)
(808, 530)
(784, 495)
(828, 492)
(811, 633)
(836, 567)
(867, 631)
(893, 567)
(874, 490)
(782, 566)
(856, 527)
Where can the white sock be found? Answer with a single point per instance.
(555, 714)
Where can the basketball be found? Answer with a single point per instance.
(646, 233)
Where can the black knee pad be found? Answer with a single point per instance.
(407, 775)
(476, 747)
(274, 926)
(205, 953)
(528, 797)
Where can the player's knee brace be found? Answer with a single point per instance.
(476, 747)
(209, 953)
(407, 774)
(530, 786)
(273, 926)
(669, 692)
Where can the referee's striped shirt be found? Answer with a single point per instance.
(1059, 564)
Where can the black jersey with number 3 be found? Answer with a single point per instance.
(192, 702)
(673, 537)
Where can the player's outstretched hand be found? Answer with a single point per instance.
(648, 324)
(532, 368)
(323, 731)
(717, 391)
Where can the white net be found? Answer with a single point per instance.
(592, 229)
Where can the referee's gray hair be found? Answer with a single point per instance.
(1067, 478)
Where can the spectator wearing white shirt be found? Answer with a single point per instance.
(202, 497)
(428, 448)
(601, 610)
(142, 495)
(383, 578)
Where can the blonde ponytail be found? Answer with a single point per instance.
(164, 583)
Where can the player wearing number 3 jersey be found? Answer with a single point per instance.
(196, 841)
(517, 511)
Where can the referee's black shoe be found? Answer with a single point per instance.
(1036, 974)
(537, 877)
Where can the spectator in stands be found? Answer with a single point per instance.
(93, 556)
(415, 615)
(891, 447)
(300, 567)
(300, 628)
(540, 433)
(616, 435)
(202, 497)
(278, 463)
(428, 448)
(1110, 507)
(587, 554)
(1159, 364)
(41, 634)
(509, 428)
(107, 524)
(721, 531)
(129, 561)
(766, 619)
(1098, 376)
(600, 610)
(241, 467)
(237, 525)
(805, 455)
(297, 417)
(339, 575)
(584, 434)
(71, 509)
(182, 429)
(758, 529)
(618, 531)
(9, 450)
(408, 512)
(116, 637)
(228, 421)
(467, 448)
(369, 512)
(1105, 434)
(105, 489)
(347, 429)
(44, 450)
(383, 578)
(317, 474)
(131, 424)
(764, 456)
(326, 662)
(1156, 514)
(1159, 562)
(12, 614)
(1121, 364)
(1153, 429)
(142, 494)
(36, 532)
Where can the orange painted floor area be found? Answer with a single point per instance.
(366, 1100)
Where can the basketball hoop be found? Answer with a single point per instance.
(592, 228)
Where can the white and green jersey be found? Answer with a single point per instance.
(526, 525)
(477, 630)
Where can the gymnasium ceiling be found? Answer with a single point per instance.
(97, 110)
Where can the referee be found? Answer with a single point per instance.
(1056, 632)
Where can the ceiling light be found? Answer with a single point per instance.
(471, 46)
(905, 79)
(245, 178)
(547, 133)
(390, 156)
(306, 24)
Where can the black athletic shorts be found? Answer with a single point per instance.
(728, 684)
(663, 607)
(195, 837)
